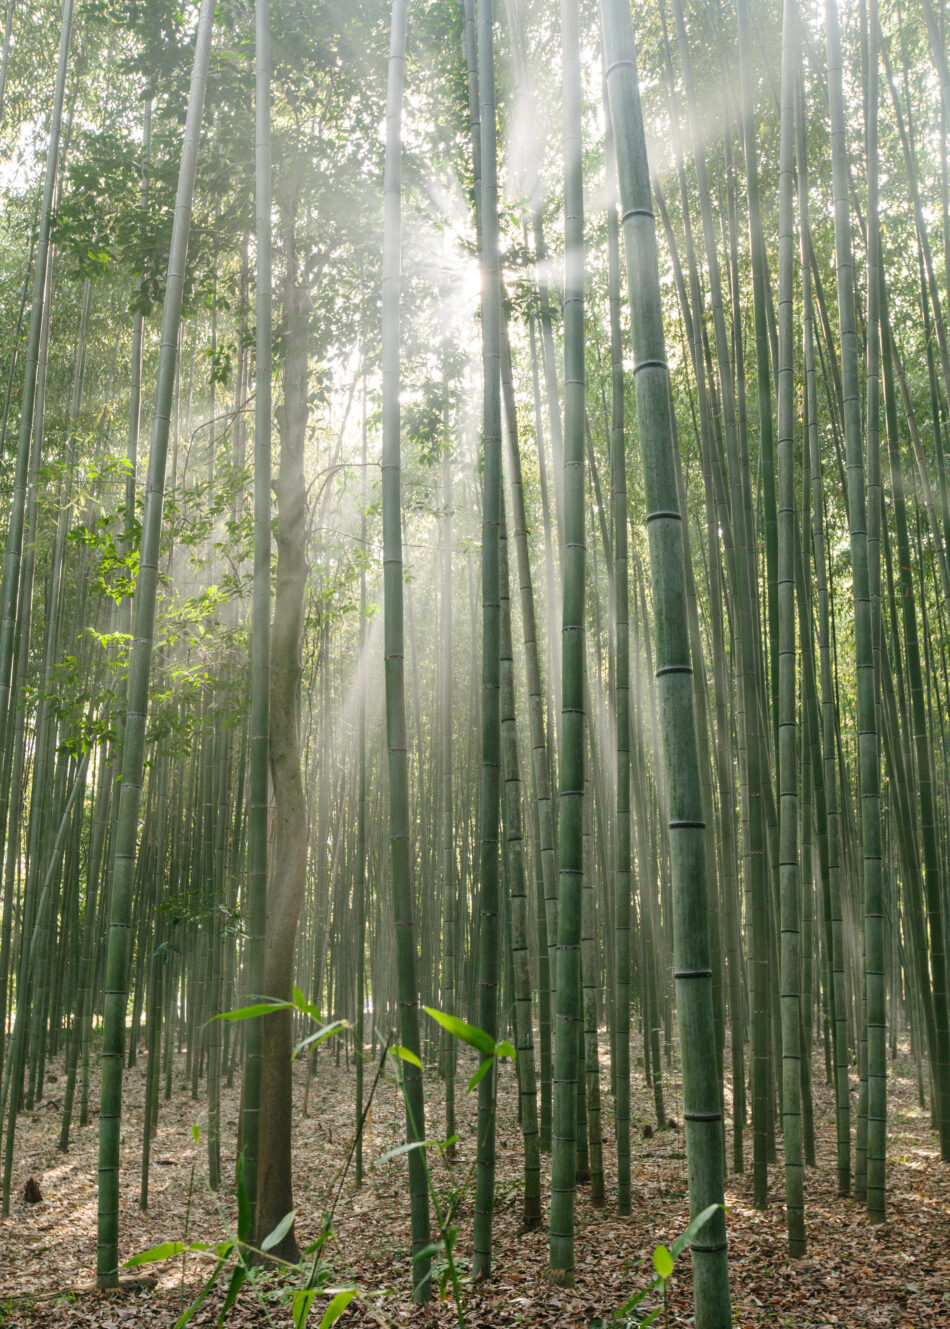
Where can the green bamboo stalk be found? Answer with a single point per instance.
(518, 905)
(543, 814)
(589, 1051)
(826, 783)
(399, 844)
(874, 907)
(258, 794)
(116, 987)
(489, 807)
(789, 876)
(931, 978)
(622, 873)
(14, 543)
(571, 765)
(693, 973)
(763, 358)
(16, 1062)
(868, 740)
(362, 811)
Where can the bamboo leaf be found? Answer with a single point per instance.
(252, 1012)
(201, 1298)
(461, 1029)
(317, 1245)
(635, 1300)
(662, 1261)
(163, 1252)
(689, 1233)
(301, 1003)
(427, 1252)
(279, 1232)
(300, 1308)
(406, 1149)
(326, 1032)
(237, 1278)
(406, 1055)
(337, 1306)
(480, 1074)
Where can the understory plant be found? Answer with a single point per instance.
(664, 1260)
(445, 1211)
(312, 1277)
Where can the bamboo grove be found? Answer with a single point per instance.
(533, 601)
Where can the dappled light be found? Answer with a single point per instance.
(474, 625)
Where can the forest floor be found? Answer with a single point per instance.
(895, 1275)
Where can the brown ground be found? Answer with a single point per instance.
(895, 1275)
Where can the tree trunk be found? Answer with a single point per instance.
(288, 874)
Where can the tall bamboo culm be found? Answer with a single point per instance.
(133, 756)
(489, 936)
(692, 969)
(396, 733)
(568, 1015)
(260, 610)
(789, 875)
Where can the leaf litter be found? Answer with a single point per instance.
(895, 1275)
